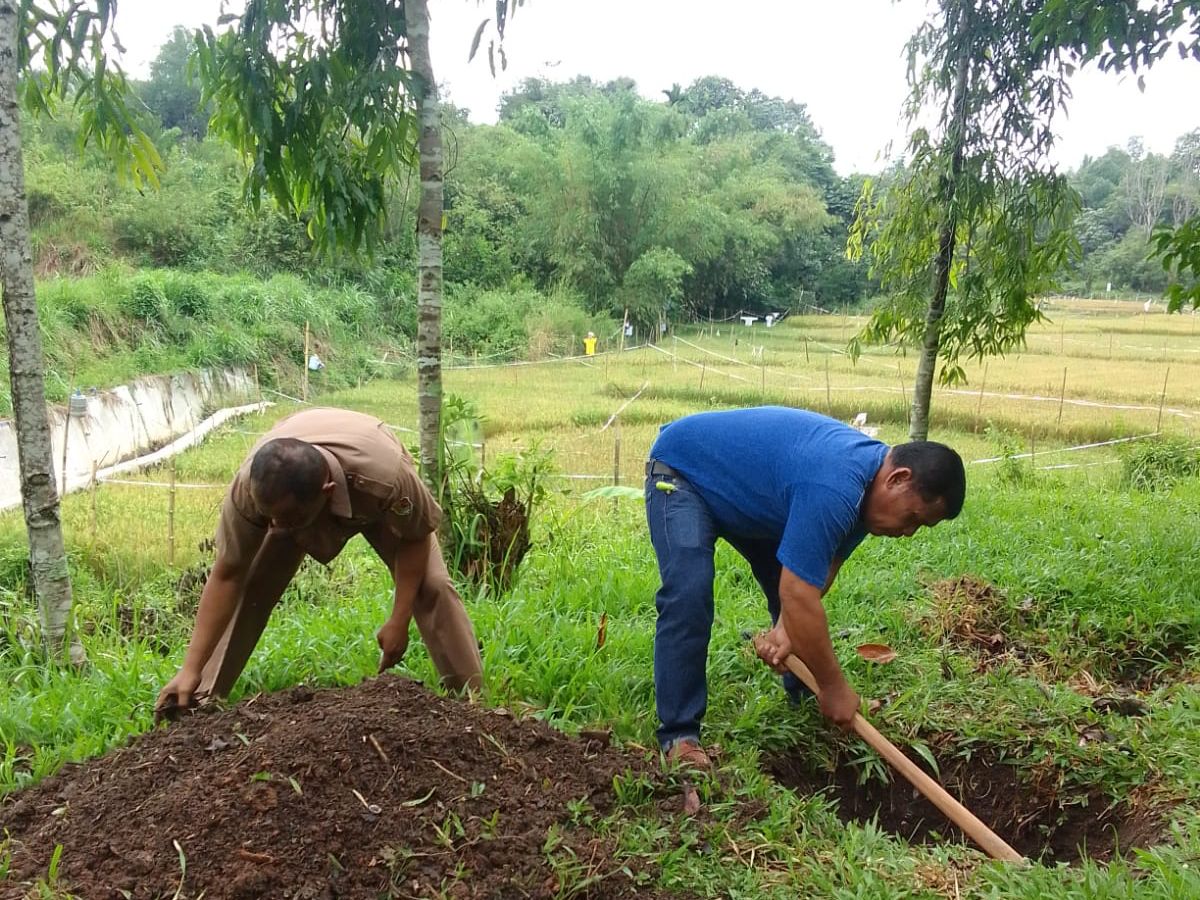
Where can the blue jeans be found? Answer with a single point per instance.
(684, 536)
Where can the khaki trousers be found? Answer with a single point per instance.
(438, 610)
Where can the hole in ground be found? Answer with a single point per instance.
(1038, 822)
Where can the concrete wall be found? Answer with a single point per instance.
(123, 423)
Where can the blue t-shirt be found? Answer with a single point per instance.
(780, 474)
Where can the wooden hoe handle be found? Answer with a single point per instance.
(992, 843)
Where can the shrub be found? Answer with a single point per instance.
(187, 295)
(485, 531)
(69, 297)
(158, 233)
(514, 322)
(223, 344)
(1012, 468)
(559, 325)
(1159, 464)
(144, 298)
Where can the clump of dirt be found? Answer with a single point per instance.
(967, 612)
(379, 790)
(1034, 817)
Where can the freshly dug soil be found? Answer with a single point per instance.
(1035, 820)
(379, 790)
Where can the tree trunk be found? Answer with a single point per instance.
(918, 429)
(429, 246)
(39, 496)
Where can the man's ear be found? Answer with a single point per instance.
(899, 477)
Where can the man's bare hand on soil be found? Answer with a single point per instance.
(178, 695)
(393, 642)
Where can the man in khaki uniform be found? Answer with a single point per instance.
(315, 480)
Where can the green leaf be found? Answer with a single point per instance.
(419, 801)
(923, 751)
(614, 492)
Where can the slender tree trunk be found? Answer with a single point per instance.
(47, 552)
(918, 429)
(429, 246)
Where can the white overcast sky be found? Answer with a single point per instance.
(843, 59)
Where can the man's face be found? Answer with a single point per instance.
(898, 510)
(287, 513)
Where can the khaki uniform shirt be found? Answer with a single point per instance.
(375, 482)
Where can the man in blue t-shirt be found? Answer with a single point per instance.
(794, 492)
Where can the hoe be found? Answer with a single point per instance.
(991, 843)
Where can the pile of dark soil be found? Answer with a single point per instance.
(379, 790)
(1036, 819)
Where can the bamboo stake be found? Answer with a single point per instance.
(171, 518)
(304, 383)
(1162, 399)
(616, 461)
(828, 391)
(1062, 396)
(66, 435)
(995, 846)
(92, 523)
(979, 405)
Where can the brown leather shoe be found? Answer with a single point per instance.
(688, 754)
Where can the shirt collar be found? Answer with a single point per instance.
(339, 501)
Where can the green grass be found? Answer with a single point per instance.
(104, 329)
(1092, 577)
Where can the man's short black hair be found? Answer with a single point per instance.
(937, 473)
(287, 467)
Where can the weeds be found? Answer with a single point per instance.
(1013, 469)
(488, 509)
(1159, 464)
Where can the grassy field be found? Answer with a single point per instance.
(1057, 592)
